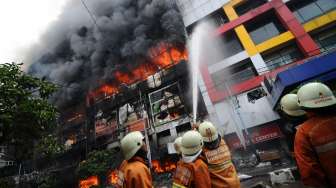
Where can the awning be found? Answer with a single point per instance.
(322, 68)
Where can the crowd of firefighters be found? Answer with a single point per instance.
(205, 159)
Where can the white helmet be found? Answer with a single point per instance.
(290, 105)
(208, 131)
(131, 144)
(177, 144)
(315, 95)
(192, 143)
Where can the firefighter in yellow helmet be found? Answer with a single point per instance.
(315, 139)
(293, 115)
(134, 171)
(191, 171)
(217, 154)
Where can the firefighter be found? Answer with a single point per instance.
(134, 171)
(218, 157)
(191, 170)
(293, 115)
(315, 139)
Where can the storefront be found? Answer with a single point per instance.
(269, 145)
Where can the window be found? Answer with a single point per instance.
(285, 55)
(234, 74)
(305, 10)
(326, 39)
(221, 47)
(231, 43)
(264, 27)
(248, 5)
(218, 17)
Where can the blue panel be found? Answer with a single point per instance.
(320, 68)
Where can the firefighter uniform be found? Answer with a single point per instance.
(315, 151)
(191, 170)
(133, 172)
(315, 140)
(222, 171)
(194, 175)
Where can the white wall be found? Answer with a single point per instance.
(194, 10)
(252, 114)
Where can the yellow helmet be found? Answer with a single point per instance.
(192, 143)
(290, 105)
(131, 144)
(177, 144)
(208, 131)
(315, 95)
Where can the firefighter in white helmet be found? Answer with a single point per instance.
(315, 139)
(218, 158)
(191, 171)
(134, 171)
(293, 115)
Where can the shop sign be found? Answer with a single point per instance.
(138, 125)
(258, 135)
(104, 127)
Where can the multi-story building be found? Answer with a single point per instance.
(260, 39)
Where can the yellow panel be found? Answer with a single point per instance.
(246, 40)
(241, 32)
(235, 2)
(320, 21)
(230, 12)
(275, 41)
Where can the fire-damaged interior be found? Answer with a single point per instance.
(160, 102)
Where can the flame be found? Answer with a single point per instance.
(167, 166)
(163, 56)
(90, 181)
(113, 177)
(77, 116)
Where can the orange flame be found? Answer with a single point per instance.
(113, 177)
(90, 181)
(167, 166)
(163, 56)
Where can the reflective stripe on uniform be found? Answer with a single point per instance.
(221, 166)
(176, 185)
(326, 147)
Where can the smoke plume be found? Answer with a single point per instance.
(80, 56)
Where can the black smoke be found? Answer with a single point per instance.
(79, 56)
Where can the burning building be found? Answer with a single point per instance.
(127, 70)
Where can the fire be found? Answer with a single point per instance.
(163, 56)
(77, 116)
(167, 166)
(90, 181)
(113, 177)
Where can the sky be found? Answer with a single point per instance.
(22, 24)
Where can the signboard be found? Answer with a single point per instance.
(257, 134)
(104, 127)
(138, 125)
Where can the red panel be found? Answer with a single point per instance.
(287, 18)
(244, 18)
(218, 95)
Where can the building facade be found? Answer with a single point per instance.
(260, 39)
